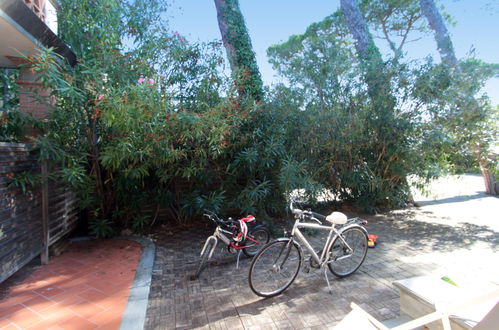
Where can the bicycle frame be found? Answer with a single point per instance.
(220, 234)
(323, 259)
(276, 266)
(216, 235)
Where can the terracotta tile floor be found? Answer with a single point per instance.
(86, 287)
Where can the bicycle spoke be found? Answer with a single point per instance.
(255, 240)
(274, 268)
(346, 259)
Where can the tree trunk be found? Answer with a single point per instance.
(491, 186)
(379, 89)
(240, 52)
(369, 55)
(222, 9)
(442, 37)
(378, 82)
(96, 170)
(357, 27)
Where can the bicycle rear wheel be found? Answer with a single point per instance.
(274, 268)
(257, 238)
(344, 261)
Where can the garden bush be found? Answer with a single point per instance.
(147, 121)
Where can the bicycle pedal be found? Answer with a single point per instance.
(307, 269)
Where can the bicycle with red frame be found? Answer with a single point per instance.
(238, 235)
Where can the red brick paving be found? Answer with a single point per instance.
(86, 287)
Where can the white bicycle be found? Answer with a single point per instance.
(238, 235)
(277, 264)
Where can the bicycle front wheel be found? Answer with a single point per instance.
(257, 238)
(204, 259)
(274, 268)
(345, 260)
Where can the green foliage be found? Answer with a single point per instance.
(360, 132)
(140, 223)
(101, 228)
(150, 124)
(25, 180)
(13, 124)
(466, 124)
(9, 89)
(358, 149)
(318, 61)
(396, 21)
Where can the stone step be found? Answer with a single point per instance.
(398, 321)
(423, 295)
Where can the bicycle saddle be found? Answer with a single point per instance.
(337, 218)
(249, 218)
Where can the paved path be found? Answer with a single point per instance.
(454, 235)
(87, 287)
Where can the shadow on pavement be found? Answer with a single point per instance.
(440, 237)
(454, 199)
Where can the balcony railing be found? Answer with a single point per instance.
(45, 10)
(38, 7)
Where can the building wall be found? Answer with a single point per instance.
(30, 102)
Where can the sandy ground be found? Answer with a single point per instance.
(460, 204)
(455, 200)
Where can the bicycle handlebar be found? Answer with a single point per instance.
(311, 215)
(213, 217)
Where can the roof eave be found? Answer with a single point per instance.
(27, 20)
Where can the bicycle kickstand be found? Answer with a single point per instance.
(327, 281)
(238, 255)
